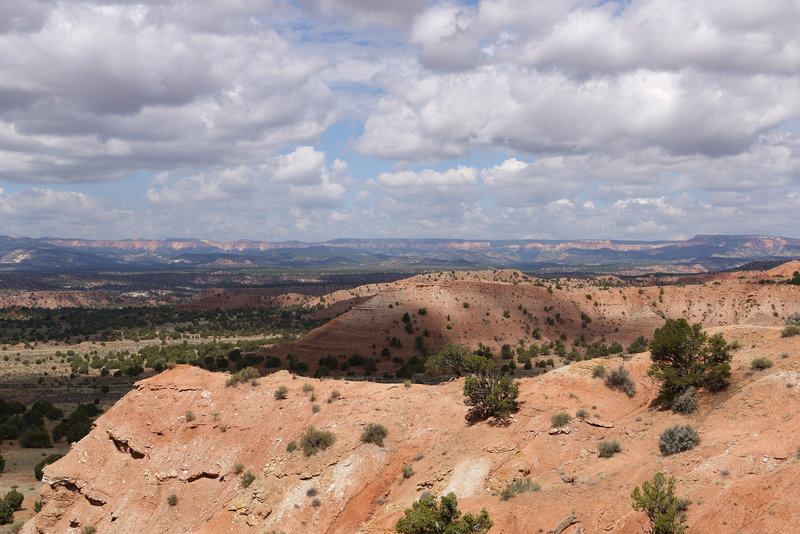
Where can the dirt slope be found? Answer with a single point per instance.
(499, 307)
(742, 477)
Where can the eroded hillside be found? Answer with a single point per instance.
(505, 307)
(742, 477)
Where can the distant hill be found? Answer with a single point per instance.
(701, 253)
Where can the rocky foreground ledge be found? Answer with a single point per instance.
(184, 433)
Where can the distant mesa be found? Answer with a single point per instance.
(702, 253)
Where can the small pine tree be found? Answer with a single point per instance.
(486, 394)
(427, 516)
(684, 356)
(14, 498)
(657, 499)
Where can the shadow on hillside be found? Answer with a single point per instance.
(475, 416)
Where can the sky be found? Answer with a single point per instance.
(320, 119)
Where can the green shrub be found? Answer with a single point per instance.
(37, 506)
(489, 396)
(374, 433)
(172, 500)
(683, 355)
(238, 468)
(427, 516)
(607, 449)
(314, 440)
(639, 345)
(6, 513)
(291, 446)
(307, 388)
(89, 529)
(560, 419)
(790, 331)
(686, 402)
(408, 471)
(657, 499)
(582, 414)
(315, 408)
(620, 379)
(190, 416)
(677, 439)
(247, 478)
(47, 460)
(281, 393)
(452, 358)
(793, 319)
(16, 526)
(599, 371)
(759, 364)
(35, 438)
(14, 498)
(248, 374)
(522, 485)
(78, 424)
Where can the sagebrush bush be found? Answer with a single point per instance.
(677, 439)
(759, 364)
(248, 374)
(374, 433)
(522, 485)
(281, 393)
(560, 419)
(408, 471)
(599, 371)
(314, 440)
(172, 500)
(307, 388)
(291, 446)
(581, 414)
(607, 449)
(247, 478)
(793, 319)
(790, 331)
(686, 402)
(620, 379)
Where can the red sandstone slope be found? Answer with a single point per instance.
(743, 476)
(499, 307)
